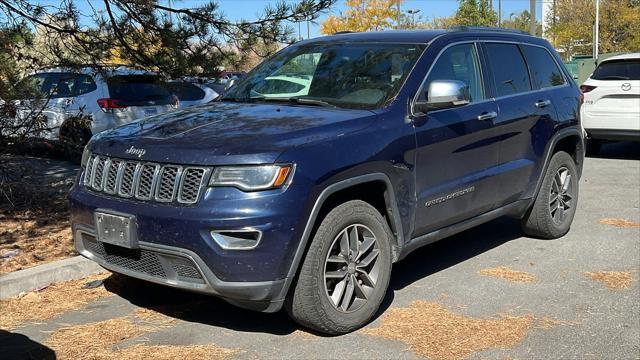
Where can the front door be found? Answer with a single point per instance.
(456, 147)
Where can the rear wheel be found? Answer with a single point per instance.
(555, 206)
(346, 271)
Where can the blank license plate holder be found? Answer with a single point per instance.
(116, 228)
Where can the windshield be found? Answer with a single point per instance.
(341, 75)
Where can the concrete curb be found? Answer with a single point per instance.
(40, 276)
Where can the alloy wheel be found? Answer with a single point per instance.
(561, 195)
(352, 269)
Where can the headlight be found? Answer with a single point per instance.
(85, 157)
(251, 178)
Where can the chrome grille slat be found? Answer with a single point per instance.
(190, 184)
(168, 183)
(111, 177)
(145, 181)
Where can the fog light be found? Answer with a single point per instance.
(243, 239)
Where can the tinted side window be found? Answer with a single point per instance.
(509, 70)
(186, 91)
(84, 84)
(544, 70)
(459, 62)
(618, 70)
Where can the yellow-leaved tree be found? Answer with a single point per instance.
(571, 26)
(364, 15)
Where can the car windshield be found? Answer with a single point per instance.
(340, 75)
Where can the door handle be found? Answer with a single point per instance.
(487, 116)
(543, 103)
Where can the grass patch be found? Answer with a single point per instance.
(622, 223)
(614, 280)
(506, 273)
(100, 340)
(434, 332)
(50, 302)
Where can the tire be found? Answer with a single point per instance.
(310, 303)
(551, 215)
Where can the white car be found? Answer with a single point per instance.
(611, 108)
(283, 86)
(110, 98)
(191, 94)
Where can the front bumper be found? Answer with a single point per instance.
(176, 247)
(179, 268)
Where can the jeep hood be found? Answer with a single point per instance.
(228, 133)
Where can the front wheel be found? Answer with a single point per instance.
(553, 210)
(345, 274)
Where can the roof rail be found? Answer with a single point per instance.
(343, 32)
(464, 28)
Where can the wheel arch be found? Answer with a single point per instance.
(569, 140)
(352, 188)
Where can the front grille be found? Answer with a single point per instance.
(142, 261)
(158, 265)
(145, 181)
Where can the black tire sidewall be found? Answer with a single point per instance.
(358, 212)
(559, 159)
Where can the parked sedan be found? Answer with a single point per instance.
(191, 94)
(611, 109)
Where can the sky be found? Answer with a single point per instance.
(248, 9)
(251, 9)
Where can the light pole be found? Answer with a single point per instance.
(596, 40)
(532, 17)
(413, 16)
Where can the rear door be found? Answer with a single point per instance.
(527, 114)
(456, 147)
(615, 99)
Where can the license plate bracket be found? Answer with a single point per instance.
(116, 228)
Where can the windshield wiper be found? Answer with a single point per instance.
(307, 101)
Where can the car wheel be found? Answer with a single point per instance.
(345, 274)
(554, 207)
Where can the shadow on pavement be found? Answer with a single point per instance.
(626, 150)
(18, 346)
(212, 311)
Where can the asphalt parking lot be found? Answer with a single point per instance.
(486, 293)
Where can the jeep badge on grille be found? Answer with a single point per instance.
(135, 151)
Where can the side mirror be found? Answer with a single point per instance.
(443, 94)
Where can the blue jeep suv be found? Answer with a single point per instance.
(332, 160)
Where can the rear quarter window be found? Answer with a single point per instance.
(627, 69)
(544, 70)
(186, 91)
